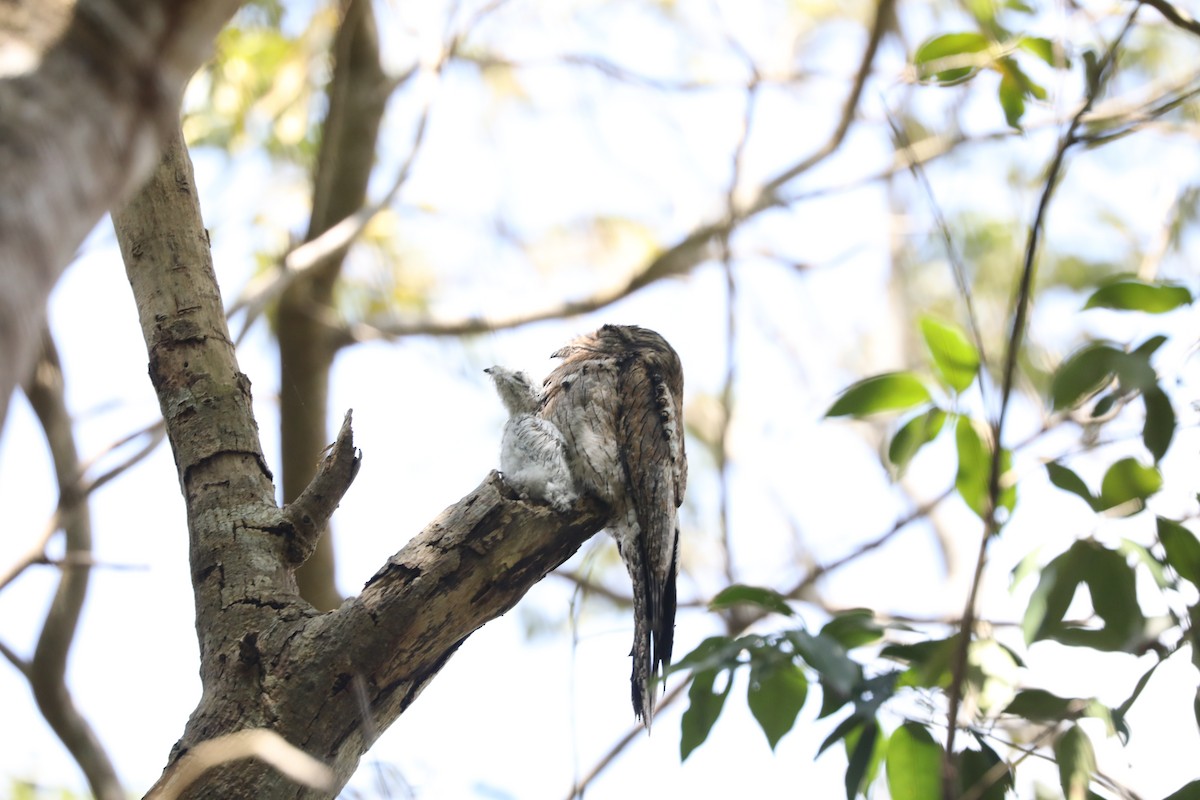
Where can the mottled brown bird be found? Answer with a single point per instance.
(617, 398)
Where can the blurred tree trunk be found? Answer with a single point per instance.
(358, 92)
(89, 92)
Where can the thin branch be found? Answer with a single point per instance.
(952, 255)
(45, 391)
(36, 554)
(1174, 15)
(577, 791)
(1022, 303)
(884, 17)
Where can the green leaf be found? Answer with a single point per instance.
(892, 391)
(714, 652)
(928, 661)
(1111, 583)
(1159, 427)
(1039, 705)
(1182, 548)
(1189, 791)
(954, 355)
(1149, 347)
(1042, 48)
(1133, 295)
(704, 707)
(860, 758)
(914, 763)
(776, 695)
(853, 628)
(913, 435)
(947, 47)
(1128, 481)
(828, 657)
(1083, 374)
(1012, 99)
(975, 766)
(1076, 762)
(759, 596)
(975, 469)
(1067, 480)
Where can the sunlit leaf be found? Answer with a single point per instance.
(704, 706)
(1189, 791)
(928, 661)
(1076, 762)
(954, 355)
(1129, 481)
(1042, 48)
(1111, 583)
(1182, 547)
(1133, 295)
(892, 391)
(853, 628)
(914, 763)
(714, 652)
(1012, 100)
(759, 596)
(1083, 374)
(957, 47)
(913, 435)
(1067, 480)
(1159, 427)
(975, 469)
(975, 766)
(860, 759)
(776, 695)
(1039, 705)
(828, 657)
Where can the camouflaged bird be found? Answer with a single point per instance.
(533, 457)
(617, 399)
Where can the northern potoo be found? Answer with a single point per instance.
(617, 398)
(533, 454)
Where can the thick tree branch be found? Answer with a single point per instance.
(268, 659)
(89, 91)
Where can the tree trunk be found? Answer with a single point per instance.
(326, 682)
(358, 92)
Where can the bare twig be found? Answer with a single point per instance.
(36, 554)
(47, 670)
(1022, 302)
(1174, 15)
(577, 791)
(309, 513)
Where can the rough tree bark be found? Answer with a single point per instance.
(90, 90)
(358, 92)
(326, 682)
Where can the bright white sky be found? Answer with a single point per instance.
(531, 713)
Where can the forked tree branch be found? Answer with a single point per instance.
(326, 683)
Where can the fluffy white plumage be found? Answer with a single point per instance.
(533, 455)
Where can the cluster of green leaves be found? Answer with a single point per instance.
(956, 367)
(259, 89)
(953, 58)
(1091, 387)
(781, 668)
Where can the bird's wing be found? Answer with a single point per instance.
(650, 440)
